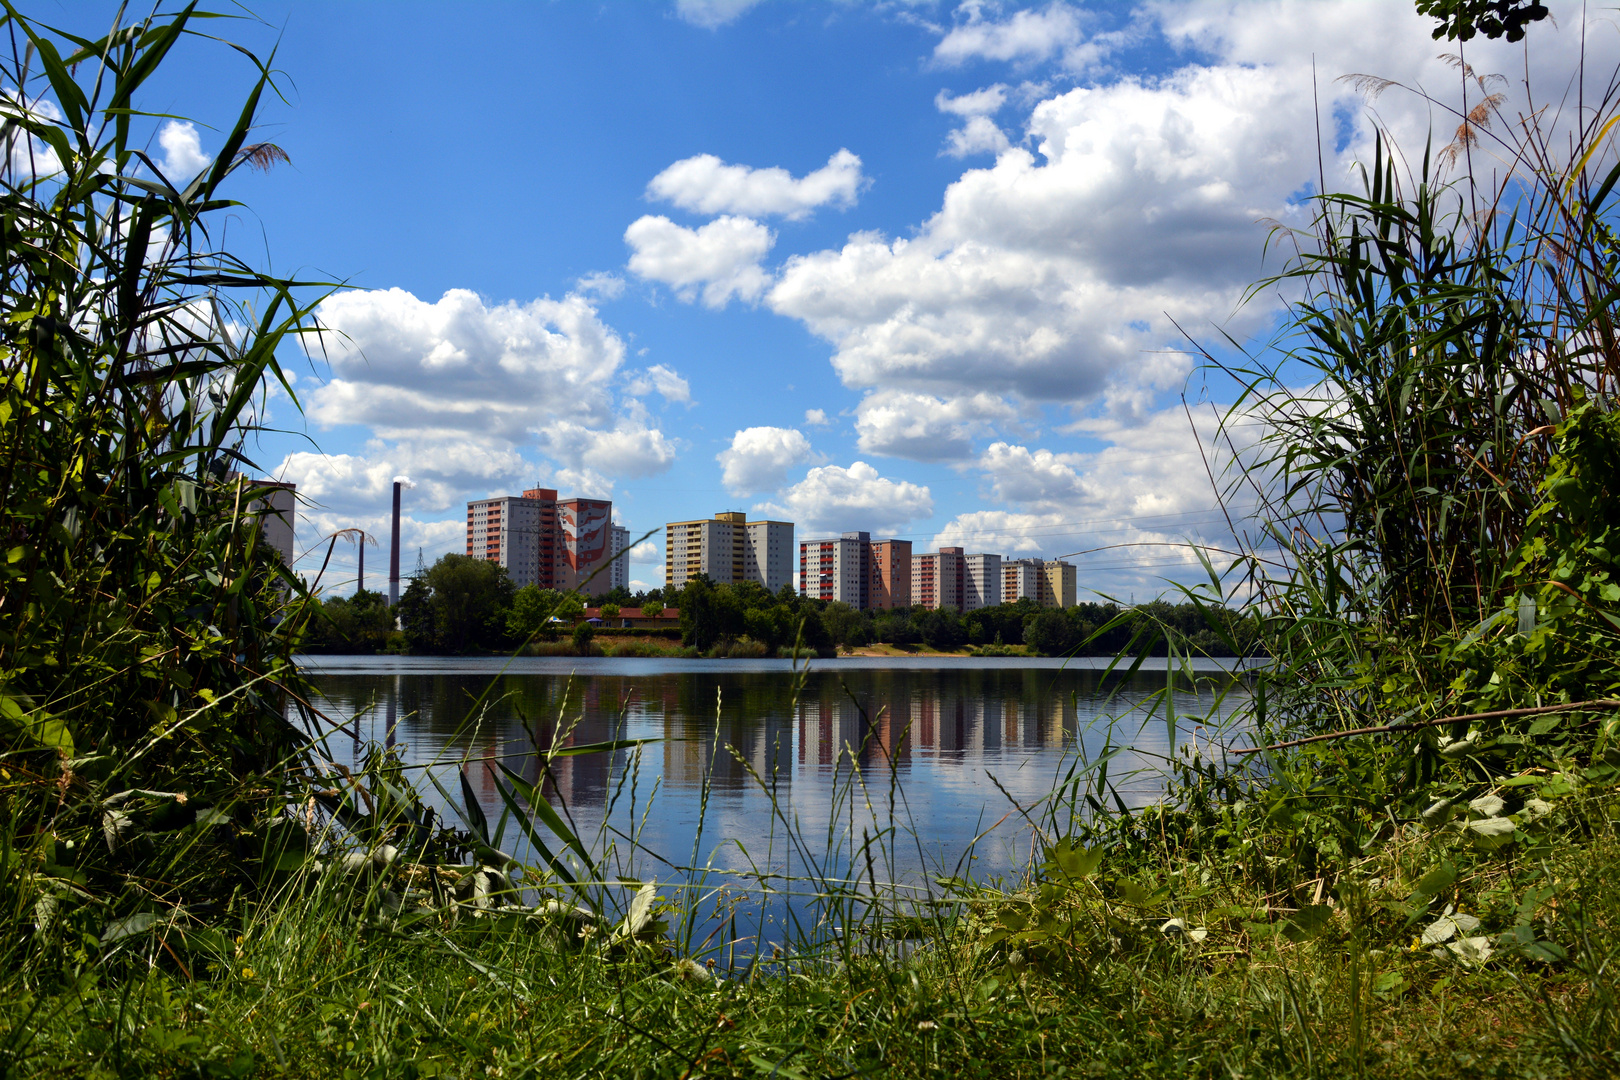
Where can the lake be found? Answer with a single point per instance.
(944, 760)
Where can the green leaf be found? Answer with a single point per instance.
(1440, 877)
(127, 927)
(1307, 922)
(21, 719)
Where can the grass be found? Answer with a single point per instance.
(1064, 976)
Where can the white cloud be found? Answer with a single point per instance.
(1147, 485)
(712, 14)
(348, 491)
(759, 458)
(406, 367)
(1059, 273)
(629, 449)
(985, 102)
(183, 157)
(816, 417)
(1027, 36)
(647, 553)
(31, 158)
(665, 381)
(720, 260)
(704, 184)
(1020, 475)
(978, 136)
(601, 284)
(456, 390)
(835, 499)
(923, 427)
(1047, 279)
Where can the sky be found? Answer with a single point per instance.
(931, 270)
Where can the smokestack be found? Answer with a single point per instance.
(393, 554)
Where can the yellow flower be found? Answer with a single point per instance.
(249, 973)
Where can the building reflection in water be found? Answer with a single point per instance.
(940, 734)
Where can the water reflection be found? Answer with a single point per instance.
(959, 745)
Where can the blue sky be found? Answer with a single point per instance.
(913, 268)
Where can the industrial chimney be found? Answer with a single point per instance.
(393, 553)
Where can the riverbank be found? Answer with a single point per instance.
(1433, 956)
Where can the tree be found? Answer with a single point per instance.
(610, 613)
(1460, 20)
(532, 608)
(1051, 633)
(942, 629)
(350, 624)
(416, 617)
(845, 625)
(652, 609)
(471, 601)
(700, 621)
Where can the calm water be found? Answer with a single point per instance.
(947, 733)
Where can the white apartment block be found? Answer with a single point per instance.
(729, 548)
(768, 553)
(1020, 578)
(836, 568)
(981, 582)
(508, 531)
(619, 569)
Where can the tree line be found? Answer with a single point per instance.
(467, 605)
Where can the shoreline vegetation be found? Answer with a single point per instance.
(190, 889)
(464, 606)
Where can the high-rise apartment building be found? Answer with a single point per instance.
(890, 566)
(837, 568)
(981, 582)
(1020, 579)
(582, 544)
(619, 571)
(542, 540)
(729, 548)
(519, 532)
(937, 579)
(1058, 587)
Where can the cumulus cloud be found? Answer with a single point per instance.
(354, 491)
(985, 102)
(630, 449)
(712, 14)
(704, 184)
(454, 391)
(601, 285)
(1125, 207)
(1047, 278)
(759, 458)
(28, 156)
(816, 417)
(1021, 475)
(926, 428)
(183, 157)
(718, 261)
(1139, 498)
(979, 135)
(835, 499)
(1024, 37)
(405, 367)
(646, 553)
(665, 381)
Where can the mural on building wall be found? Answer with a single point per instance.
(585, 532)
